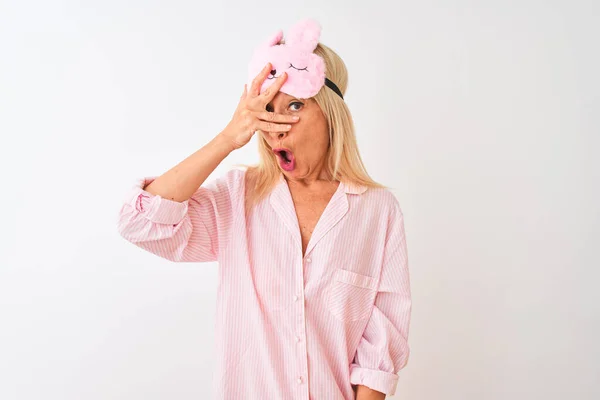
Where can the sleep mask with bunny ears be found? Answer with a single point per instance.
(305, 69)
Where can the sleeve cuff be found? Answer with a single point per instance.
(154, 207)
(381, 381)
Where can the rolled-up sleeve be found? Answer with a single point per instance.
(383, 348)
(188, 231)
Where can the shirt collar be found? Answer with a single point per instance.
(352, 188)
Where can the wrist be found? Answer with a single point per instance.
(223, 143)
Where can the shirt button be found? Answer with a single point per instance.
(308, 260)
(295, 298)
(297, 338)
(299, 379)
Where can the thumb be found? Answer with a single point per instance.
(244, 93)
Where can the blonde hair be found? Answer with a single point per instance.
(343, 158)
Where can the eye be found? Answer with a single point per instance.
(299, 69)
(298, 103)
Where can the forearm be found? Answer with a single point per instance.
(366, 393)
(180, 182)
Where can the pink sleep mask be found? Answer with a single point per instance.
(305, 69)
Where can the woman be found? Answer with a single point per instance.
(313, 296)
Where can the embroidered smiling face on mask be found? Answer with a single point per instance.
(305, 69)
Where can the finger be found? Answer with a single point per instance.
(244, 93)
(259, 79)
(272, 90)
(276, 117)
(273, 127)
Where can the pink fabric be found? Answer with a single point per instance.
(305, 69)
(287, 326)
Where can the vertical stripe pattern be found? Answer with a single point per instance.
(290, 326)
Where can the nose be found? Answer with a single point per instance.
(277, 135)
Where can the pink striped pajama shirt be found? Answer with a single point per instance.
(288, 326)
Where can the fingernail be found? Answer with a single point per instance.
(295, 118)
(288, 126)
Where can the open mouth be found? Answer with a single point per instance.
(286, 158)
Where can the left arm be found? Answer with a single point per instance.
(383, 349)
(363, 392)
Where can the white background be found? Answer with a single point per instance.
(481, 116)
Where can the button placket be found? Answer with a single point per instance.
(301, 348)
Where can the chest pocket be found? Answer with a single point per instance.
(351, 295)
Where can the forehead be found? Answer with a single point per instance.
(281, 98)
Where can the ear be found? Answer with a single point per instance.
(304, 35)
(273, 39)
